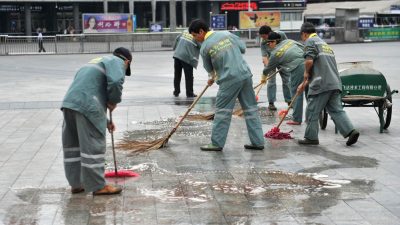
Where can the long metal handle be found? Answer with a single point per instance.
(112, 144)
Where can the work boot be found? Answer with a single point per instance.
(353, 137)
(77, 190)
(210, 147)
(191, 96)
(307, 141)
(253, 147)
(108, 190)
(272, 107)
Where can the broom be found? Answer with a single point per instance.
(239, 112)
(210, 116)
(116, 173)
(275, 133)
(143, 146)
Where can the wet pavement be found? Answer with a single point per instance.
(179, 184)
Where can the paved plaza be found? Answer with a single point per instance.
(329, 184)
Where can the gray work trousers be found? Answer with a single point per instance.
(330, 100)
(84, 148)
(225, 102)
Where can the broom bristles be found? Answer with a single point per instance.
(142, 146)
(209, 116)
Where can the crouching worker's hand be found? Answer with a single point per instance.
(263, 79)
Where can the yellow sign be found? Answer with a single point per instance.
(257, 19)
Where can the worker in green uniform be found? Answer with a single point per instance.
(288, 55)
(186, 57)
(265, 53)
(222, 57)
(324, 88)
(96, 87)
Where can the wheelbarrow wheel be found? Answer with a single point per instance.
(387, 111)
(323, 119)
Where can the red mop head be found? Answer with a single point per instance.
(121, 173)
(275, 133)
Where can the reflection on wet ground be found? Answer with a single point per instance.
(241, 200)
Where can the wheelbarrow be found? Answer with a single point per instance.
(363, 86)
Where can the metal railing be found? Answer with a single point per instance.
(82, 43)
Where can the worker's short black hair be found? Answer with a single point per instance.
(273, 36)
(124, 54)
(307, 28)
(197, 25)
(265, 29)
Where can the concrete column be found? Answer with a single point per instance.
(131, 7)
(77, 24)
(28, 19)
(105, 6)
(172, 15)
(184, 17)
(164, 12)
(153, 10)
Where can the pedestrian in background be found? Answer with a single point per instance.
(324, 88)
(221, 52)
(186, 57)
(96, 87)
(271, 86)
(288, 55)
(40, 41)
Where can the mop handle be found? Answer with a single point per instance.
(287, 111)
(112, 144)
(187, 112)
(271, 75)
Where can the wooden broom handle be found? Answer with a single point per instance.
(287, 111)
(187, 112)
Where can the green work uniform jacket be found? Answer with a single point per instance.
(324, 73)
(288, 55)
(187, 49)
(98, 82)
(222, 52)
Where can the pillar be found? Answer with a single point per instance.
(77, 25)
(172, 15)
(153, 11)
(105, 6)
(184, 17)
(28, 19)
(131, 7)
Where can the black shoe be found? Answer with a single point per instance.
(176, 94)
(307, 141)
(353, 137)
(272, 107)
(210, 147)
(253, 147)
(191, 96)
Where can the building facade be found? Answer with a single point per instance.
(65, 16)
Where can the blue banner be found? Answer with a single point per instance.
(218, 21)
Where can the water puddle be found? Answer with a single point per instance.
(268, 183)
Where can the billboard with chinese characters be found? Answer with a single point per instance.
(108, 23)
(248, 20)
